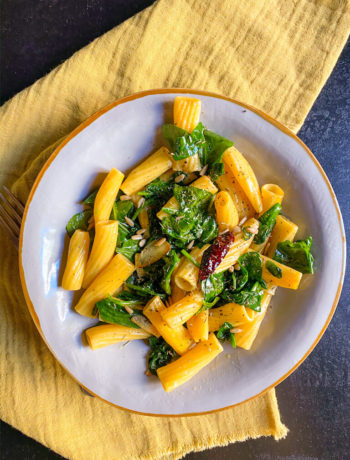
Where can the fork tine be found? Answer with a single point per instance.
(9, 231)
(15, 200)
(10, 209)
(15, 226)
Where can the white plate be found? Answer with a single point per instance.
(120, 135)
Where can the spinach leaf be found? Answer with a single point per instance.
(186, 144)
(170, 264)
(128, 298)
(90, 199)
(252, 262)
(191, 221)
(158, 192)
(296, 255)
(124, 209)
(250, 297)
(129, 248)
(79, 221)
(146, 287)
(273, 269)
(213, 286)
(239, 278)
(267, 223)
(224, 333)
(215, 148)
(192, 198)
(111, 312)
(161, 354)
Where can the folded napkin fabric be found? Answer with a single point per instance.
(275, 55)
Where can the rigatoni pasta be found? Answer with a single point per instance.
(78, 253)
(187, 254)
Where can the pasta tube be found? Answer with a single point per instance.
(239, 246)
(106, 282)
(76, 262)
(108, 334)
(103, 249)
(228, 183)
(203, 183)
(289, 278)
(178, 338)
(283, 230)
(147, 171)
(107, 194)
(183, 369)
(271, 194)
(244, 319)
(226, 212)
(244, 174)
(178, 313)
(186, 276)
(187, 112)
(198, 326)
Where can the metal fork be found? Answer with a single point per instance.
(11, 213)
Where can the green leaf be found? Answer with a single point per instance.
(215, 148)
(79, 221)
(213, 286)
(186, 144)
(267, 223)
(111, 312)
(90, 199)
(191, 198)
(252, 262)
(145, 288)
(296, 255)
(128, 298)
(224, 334)
(161, 354)
(124, 209)
(114, 212)
(171, 260)
(273, 269)
(129, 248)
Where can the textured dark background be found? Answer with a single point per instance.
(36, 36)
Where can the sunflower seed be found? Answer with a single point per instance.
(141, 202)
(203, 170)
(142, 243)
(190, 245)
(179, 178)
(160, 242)
(136, 237)
(129, 221)
(242, 221)
(141, 231)
(125, 198)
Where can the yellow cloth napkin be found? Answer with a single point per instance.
(275, 55)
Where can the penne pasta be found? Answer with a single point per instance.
(186, 276)
(176, 292)
(106, 195)
(198, 326)
(78, 253)
(243, 173)
(227, 182)
(103, 249)
(204, 183)
(270, 195)
(178, 338)
(290, 278)
(187, 112)
(226, 213)
(155, 165)
(283, 230)
(181, 311)
(109, 334)
(183, 369)
(106, 282)
(239, 246)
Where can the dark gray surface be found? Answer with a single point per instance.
(37, 35)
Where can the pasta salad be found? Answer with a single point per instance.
(184, 252)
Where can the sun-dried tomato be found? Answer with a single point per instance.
(213, 256)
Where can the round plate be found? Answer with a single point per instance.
(119, 136)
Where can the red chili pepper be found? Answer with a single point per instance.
(213, 256)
